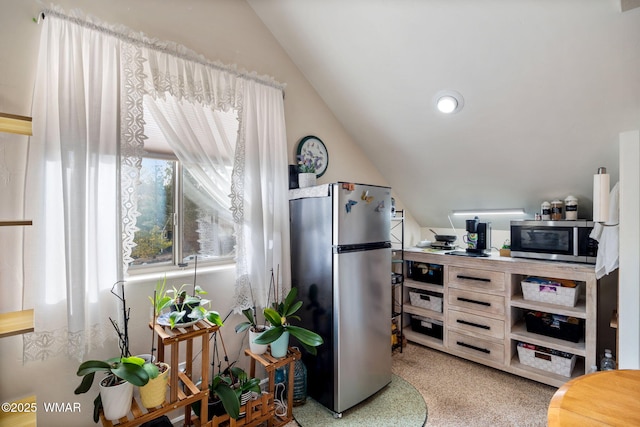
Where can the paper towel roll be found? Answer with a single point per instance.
(601, 196)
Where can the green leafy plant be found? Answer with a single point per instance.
(182, 304)
(120, 369)
(280, 316)
(250, 323)
(229, 386)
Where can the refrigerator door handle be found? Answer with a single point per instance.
(341, 249)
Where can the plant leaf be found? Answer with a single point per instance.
(134, 359)
(175, 317)
(241, 327)
(199, 291)
(92, 366)
(291, 297)
(248, 313)
(97, 405)
(85, 385)
(273, 317)
(214, 317)
(295, 307)
(229, 401)
(305, 336)
(132, 373)
(270, 335)
(151, 369)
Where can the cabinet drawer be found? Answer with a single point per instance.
(474, 279)
(474, 346)
(491, 328)
(477, 301)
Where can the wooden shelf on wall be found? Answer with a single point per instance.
(12, 123)
(25, 418)
(16, 323)
(15, 222)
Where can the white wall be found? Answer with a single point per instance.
(225, 30)
(629, 284)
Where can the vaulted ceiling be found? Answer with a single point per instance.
(547, 86)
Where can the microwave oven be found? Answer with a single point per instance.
(554, 240)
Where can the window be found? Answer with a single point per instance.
(184, 204)
(156, 204)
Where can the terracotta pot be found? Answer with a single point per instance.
(154, 392)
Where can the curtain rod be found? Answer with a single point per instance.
(144, 40)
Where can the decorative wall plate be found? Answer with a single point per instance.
(311, 148)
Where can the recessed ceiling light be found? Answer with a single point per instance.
(449, 101)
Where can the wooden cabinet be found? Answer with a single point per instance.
(484, 311)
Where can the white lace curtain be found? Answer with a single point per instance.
(82, 175)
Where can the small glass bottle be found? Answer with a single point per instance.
(556, 210)
(607, 363)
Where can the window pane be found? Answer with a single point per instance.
(154, 239)
(207, 223)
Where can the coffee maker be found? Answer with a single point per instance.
(478, 236)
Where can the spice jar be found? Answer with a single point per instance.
(545, 208)
(556, 210)
(571, 208)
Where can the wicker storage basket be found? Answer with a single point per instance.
(550, 291)
(546, 359)
(427, 300)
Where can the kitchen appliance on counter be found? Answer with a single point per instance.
(554, 240)
(478, 236)
(446, 246)
(478, 239)
(340, 261)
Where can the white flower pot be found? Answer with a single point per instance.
(116, 400)
(306, 180)
(256, 348)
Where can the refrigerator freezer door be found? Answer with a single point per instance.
(363, 214)
(362, 309)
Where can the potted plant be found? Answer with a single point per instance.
(255, 330)
(116, 388)
(228, 391)
(182, 304)
(244, 386)
(308, 163)
(278, 335)
(153, 393)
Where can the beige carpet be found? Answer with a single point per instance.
(462, 393)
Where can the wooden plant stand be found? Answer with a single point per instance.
(270, 364)
(178, 397)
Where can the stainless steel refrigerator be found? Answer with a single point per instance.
(341, 263)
